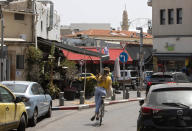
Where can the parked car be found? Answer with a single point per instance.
(167, 108)
(166, 77)
(147, 75)
(87, 75)
(37, 102)
(13, 114)
(131, 78)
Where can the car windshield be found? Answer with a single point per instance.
(83, 75)
(134, 74)
(178, 95)
(17, 88)
(122, 73)
(159, 78)
(149, 73)
(182, 78)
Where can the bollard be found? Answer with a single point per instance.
(138, 94)
(127, 93)
(61, 99)
(113, 95)
(82, 98)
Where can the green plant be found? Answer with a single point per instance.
(71, 70)
(53, 90)
(90, 87)
(115, 84)
(34, 63)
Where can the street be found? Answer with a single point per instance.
(121, 117)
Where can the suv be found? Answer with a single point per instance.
(131, 78)
(166, 77)
(167, 108)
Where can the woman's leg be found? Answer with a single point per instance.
(98, 99)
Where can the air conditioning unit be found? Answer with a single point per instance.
(23, 36)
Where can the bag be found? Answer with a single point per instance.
(109, 92)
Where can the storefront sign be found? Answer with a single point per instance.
(170, 46)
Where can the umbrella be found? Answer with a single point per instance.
(117, 69)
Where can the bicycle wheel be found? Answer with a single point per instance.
(101, 113)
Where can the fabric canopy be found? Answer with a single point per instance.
(113, 54)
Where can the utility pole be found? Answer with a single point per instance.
(2, 40)
(140, 61)
(35, 23)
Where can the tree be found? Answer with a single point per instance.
(34, 63)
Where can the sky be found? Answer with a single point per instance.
(102, 11)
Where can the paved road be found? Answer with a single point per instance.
(121, 117)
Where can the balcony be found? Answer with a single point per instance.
(149, 2)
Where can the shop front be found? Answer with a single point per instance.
(172, 62)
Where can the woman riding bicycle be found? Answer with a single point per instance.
(103, 84)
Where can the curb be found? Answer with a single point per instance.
(86, 106)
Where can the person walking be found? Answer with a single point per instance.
(104, 83)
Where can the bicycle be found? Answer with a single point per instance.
(101, 110)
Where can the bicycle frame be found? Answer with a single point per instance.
(102, 109)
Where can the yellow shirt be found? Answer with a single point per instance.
(105, 83)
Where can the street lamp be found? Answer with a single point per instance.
(140, 61)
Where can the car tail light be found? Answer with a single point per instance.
(149, 84)
(149, 110)
(171, 82)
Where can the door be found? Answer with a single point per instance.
(37, 98)
(2, 112)
(44, 99)
(9, 108)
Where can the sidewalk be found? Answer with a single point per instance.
(89, 103)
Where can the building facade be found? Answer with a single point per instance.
(22, 25)
(172, 34)
(112, 39)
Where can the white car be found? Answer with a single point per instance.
(131, 78)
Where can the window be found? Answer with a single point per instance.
(20, 62)
(16, 88)
(5, 96)
(35, 89)
(179, 15)
(41, 91)
(41, 26)
(19, 16)
(162, 17)
(170, 16)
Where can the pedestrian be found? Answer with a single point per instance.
(104, 83)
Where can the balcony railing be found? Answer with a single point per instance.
(149, 2)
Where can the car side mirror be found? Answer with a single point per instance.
(18, 100)
(141, 102)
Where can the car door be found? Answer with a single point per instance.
(2, 113)
(37, 98)
(9, 108)
(45, 103)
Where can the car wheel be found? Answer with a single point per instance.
(34, 118)
(49, 111)
(22, 124)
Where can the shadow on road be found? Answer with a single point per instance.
(95, 124)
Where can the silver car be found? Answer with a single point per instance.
(37, 102)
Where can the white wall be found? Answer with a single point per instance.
(43, 16)
(174, 29)
(181, 44)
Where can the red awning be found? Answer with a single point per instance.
(113, 54)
